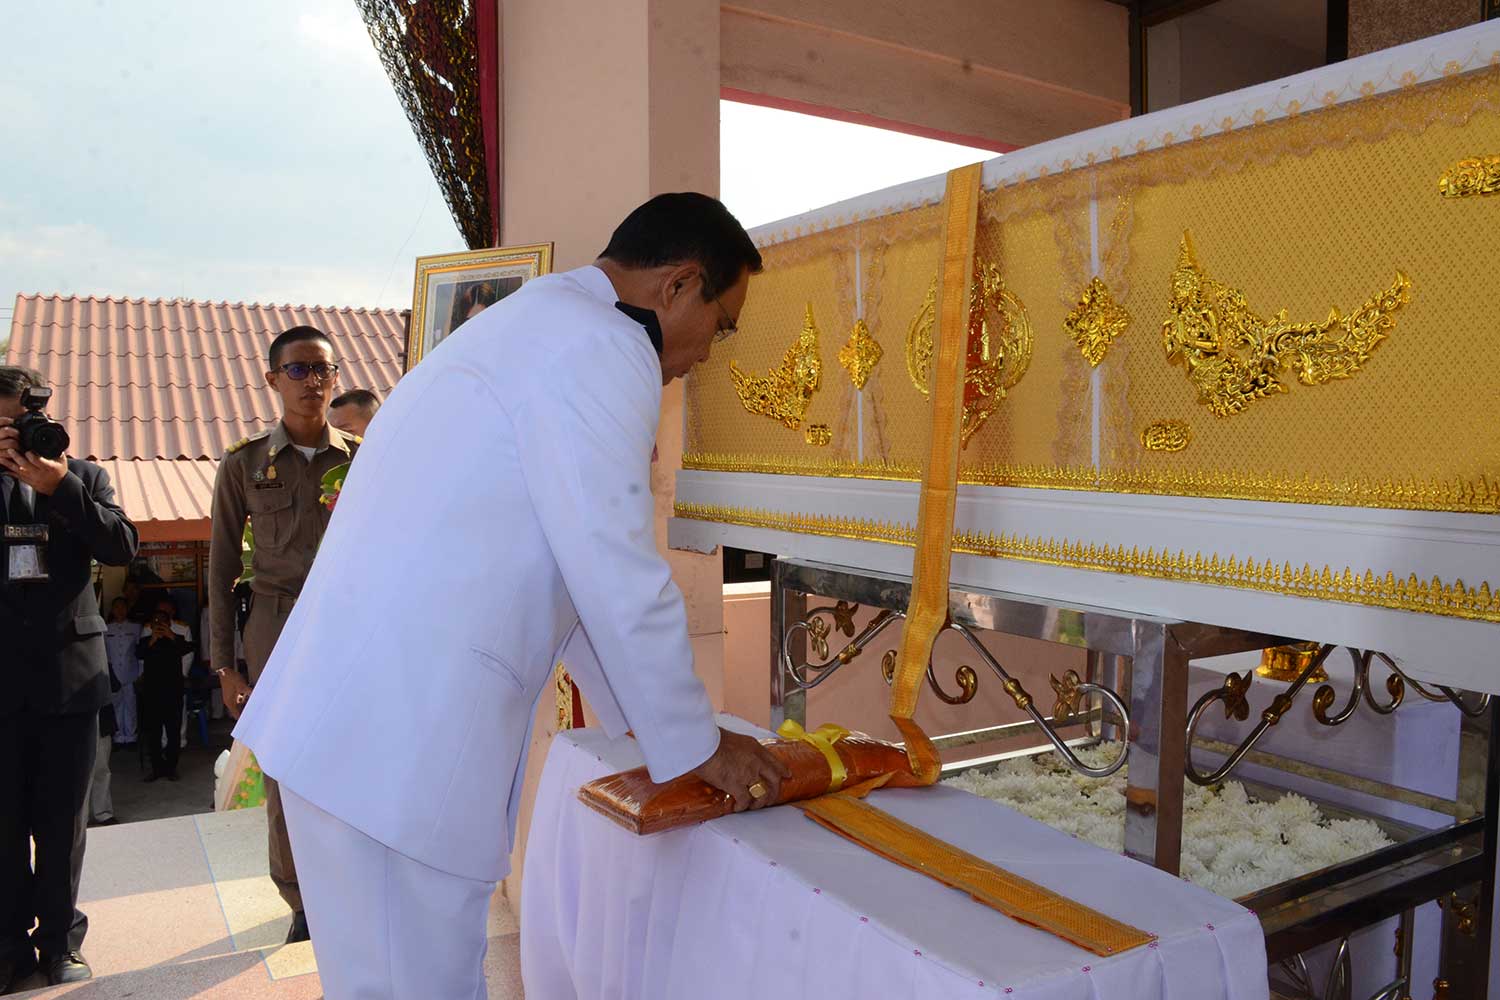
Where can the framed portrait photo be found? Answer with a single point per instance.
(452, 288)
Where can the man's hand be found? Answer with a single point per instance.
(41, 474)
(236, 692)
(739, 764)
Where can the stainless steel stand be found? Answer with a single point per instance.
(1146, 659)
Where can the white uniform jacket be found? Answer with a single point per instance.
(498, 511)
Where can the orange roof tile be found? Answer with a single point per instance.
(138, 379)
(166, 500)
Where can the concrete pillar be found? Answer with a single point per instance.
(605, 104)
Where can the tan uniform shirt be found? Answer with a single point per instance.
(266, 479)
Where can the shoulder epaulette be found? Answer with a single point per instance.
(246, 440)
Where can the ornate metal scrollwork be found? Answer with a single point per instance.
(1070, 689)
(818, 629)
(1066, 689)
(1233, 696)
(967, 679)
(1396, 683)
(1027, 704)
(1236, 705)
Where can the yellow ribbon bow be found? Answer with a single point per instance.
(824, 737)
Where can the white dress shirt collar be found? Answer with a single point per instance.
(597, 284)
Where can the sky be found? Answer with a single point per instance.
(257, 152)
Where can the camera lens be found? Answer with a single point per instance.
(46, 438)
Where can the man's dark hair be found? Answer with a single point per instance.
(14, 381)
(167, 602)
(363, 398)
(683, 228)
(296, 335)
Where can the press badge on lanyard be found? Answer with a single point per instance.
(25, 553)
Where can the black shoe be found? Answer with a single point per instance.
(172, 776)
(14, 971)
(68, 968)
(298, 931)
(112, 821)
(151, 777)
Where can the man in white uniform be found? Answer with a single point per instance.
(120, 638)
(501, 504)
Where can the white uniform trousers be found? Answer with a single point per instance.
(385, 927)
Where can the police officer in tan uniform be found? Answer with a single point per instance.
(275, 479)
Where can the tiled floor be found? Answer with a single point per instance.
(183, 908)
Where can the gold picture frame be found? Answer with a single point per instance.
(443, 281)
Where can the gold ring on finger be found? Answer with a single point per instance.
(758, 790)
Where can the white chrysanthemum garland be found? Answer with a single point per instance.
(1232, 844)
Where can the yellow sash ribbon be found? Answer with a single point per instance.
(928, 612)
(824, 737)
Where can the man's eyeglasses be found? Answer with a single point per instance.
(299, 370)
(729, 329)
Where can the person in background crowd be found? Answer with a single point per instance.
(54, 680)
(353, 411)
(161, 649)
(275, 479)
(120, 637)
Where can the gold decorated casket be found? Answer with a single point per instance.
(1219, 378)
(1233, 362)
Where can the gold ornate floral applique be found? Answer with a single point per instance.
(860, 354)
(784, 394)
(1000, 343)
(1234, 357)
(1471, 176)
(818, 435)
(1166, 435)
(1096, 321)
(919, 341)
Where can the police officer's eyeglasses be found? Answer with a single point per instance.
(729, 329)
(299, 370)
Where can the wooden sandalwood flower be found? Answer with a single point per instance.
(826, 760)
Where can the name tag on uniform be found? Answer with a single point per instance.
(26, 553)
(273, 485)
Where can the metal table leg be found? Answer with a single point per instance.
(787, 700)
(1158, 747)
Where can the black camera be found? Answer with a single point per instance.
(44, 437)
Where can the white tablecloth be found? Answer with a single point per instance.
(770, 905)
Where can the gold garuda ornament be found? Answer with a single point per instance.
(1234, 357)
(784, 393)
(999, 345)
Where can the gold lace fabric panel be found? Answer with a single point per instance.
(1044, 418)
(900, 255)
(1330, 228)
(814, 272)
(1016, 897)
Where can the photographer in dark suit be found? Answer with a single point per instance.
(57, 516)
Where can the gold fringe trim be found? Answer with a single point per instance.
(1434, 597)
(1481, 496)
